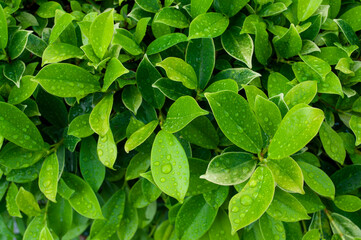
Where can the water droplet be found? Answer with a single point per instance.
(156, 164)
(162, 179)
(166, 168)
(246, 200)
(47, 183)
(235, 209)
(100, 152)
(252, 183)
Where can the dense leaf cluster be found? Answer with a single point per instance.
(180, 119)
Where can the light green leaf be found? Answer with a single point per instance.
(298, 127)
(313, 234)
(181, 113)
(18, 95)
(141, 29)
(137, 165)
(101, 33)
(221, 85)
(47, 9)
(80, 127)
(63, 20)
(201, 56)
(48, 177)
(92, 170)
(114, 70)
(178, 70)
(172, 17)
(236, 120)
(126, 40)
(194, 218)
(277, 83)
(303, 92)
(239, 46)
(318, 65)
(317, 180)
(107, 149)
(285, 207)
(17, 43)
(306, 8)
(67, 80)
(253, 200)
(355, 125)
(139, 136)
(99, 117)
(34, 228)
(349, 17)
(149, 5)
(27, 203)
(199, 7)
(16, 127)
(348, 203)
(251, 93)
(11, 205)
(273, 9)
(58, 52)
(46, 234)
(113, 212)
(289, 44)
(3, 29)
(230, 168)
(208, 25)
(332, 143)
(287, 174)
(83, 200)
(169, 159)
(164, 42)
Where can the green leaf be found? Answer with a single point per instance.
(141, 29)
(149, 5)
(171, 17)
(11, 205)
(239, 46)
(230, 168)
(355, 125)
(129, 223)
(61, 210)
(348, 203)
(48, 177)
(317, 180)
(34, 228)
(332, 143)
(201, 56)
(15, 157)
(263, 48)
(216, 197)
(253, 200)
(171, 89)
(221, 228)
(197, 185)
(199, 7)
(268, 115)
(113, 212)
(243, 76)
(92, 170)
(306, 8)
(277, 83)
(321, 67)
(80, 127)
(101, 33)
(297, 128)
(347, 179)
(349, 17)
(201, 132)
(14, 71)
(251, 93)
(137, 165)
(313, 234)
(18, 95)
(83, 200)
(16, 127)
(139, 136)
(169, 159)
(287, 174)
(17, 43)
(67, 80)
(58, 52)
(47, 9)
(208, 25)
(27, 203)
(114, 70)
(46, 234)
(289, 44)
(131, 98)
(348, 32)
(344, 226)
(164, 42)
(99, 117)
(220, 85)
(3, 29)
(127, 42)
(181, 113)
(271, 228)
(273, 9)
(242, 131)
(146, 76)
(178, 70)
(303, 92)
(107, 149)
(310, 200)
(63, 20)
(229, 7)
(285, 207)
(194, 218)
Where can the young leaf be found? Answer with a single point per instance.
(253, 200)
(149, 5)
(164, 42)
(17, 43)
(14, 71)
(199, 7)
(80, 127)
(137, 165)
(181, 113)
(99, 117)
(67, 80)
(289, 44)
(236, 120)
(355, 125)
(131, 98)
(285, 207)
(18, 95)
(83, 200)
(48, 177)
(34, 228)
(348, 203)
(344, 226)
(107, 149)
(243, 76)
(139, 136)
(63, 20)
(178, 70)
(317, 180)
(27, 203)
(263, 48)
(303, 92)
(46, 234)
(208, 25)
(141, 29)
(221, 85)
(306, 8)
(168, 159)
(126, 40)
(277, 83)
(171, 17)
(11, 205)
(297, 128)
(332, 143)
(58, 52)
(16, 127)
(101, 33)
(230, 168)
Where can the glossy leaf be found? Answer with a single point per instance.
(80, 127)
(332, 143)
(139, 136)
(27, 203)
(306, 8)
(164, 42)
(101, 33)
(348, 203)
(18, 95)
(208, 25)
(268, 115)
(48, 177)
(289, 44)
(303, 92)
(3, 29)
(171, 17)
(11, 205)
(107, 149)
(99, 117)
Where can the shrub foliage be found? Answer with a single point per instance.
(180, 119)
